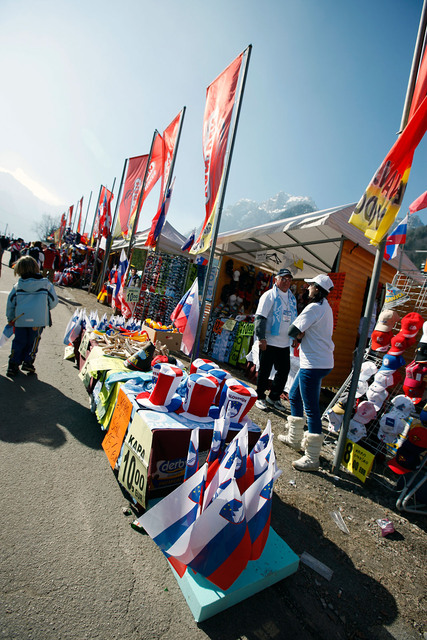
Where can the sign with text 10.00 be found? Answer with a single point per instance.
(357, 460)
(133, 470)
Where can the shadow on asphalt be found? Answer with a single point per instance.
(38, 412)
(306, 605)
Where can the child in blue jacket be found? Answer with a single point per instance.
(28, 308)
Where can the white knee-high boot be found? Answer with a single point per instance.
(310, 460)
(295, 432)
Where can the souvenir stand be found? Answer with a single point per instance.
(387, 437)
(164, 274)
(155, 436)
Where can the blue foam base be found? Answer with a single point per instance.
(206, 600)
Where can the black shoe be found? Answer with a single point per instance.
(12, 370)
(28, 367)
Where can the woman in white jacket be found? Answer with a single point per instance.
(313, 329)
(28, 309)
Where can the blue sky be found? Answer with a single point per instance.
(85, 83)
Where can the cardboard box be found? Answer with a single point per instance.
(168, 338)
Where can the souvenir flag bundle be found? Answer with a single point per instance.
(216, 522)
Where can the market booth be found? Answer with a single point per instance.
(163, 275)
(318, 242)
(152, 440)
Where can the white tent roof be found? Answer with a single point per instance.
(315, 237)
(170, 240)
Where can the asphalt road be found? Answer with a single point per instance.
(71, 566)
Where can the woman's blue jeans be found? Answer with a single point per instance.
(304, 395)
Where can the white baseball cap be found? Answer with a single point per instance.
(377, 395)
(391, 425)
(403, 405)
(367, 370)
(356, 431)
(362, 387)
(322, 280)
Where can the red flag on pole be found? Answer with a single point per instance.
(220, 97)
(80, 214)
(155, 170)
(70, 215)
(170, 135)
(97, 227)
(131, 190)
(419, 203)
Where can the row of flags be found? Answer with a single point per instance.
(141, 173)
(218, 520)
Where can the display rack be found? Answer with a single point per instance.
(416, 300)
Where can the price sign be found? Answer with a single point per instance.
(132, 294)
(357, 460)
(229, 324)
(84, 344)
(133, 470)
(112, 442)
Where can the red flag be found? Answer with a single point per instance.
(169, 140)
(216, 125)
(105, 216)
(70, 215)
(62, 226)
(98, 227)
(80, 214)
(132, 188)
(154, 172)
(419, 203)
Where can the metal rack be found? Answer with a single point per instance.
(416, 300)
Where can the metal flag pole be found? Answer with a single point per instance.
(141, 195)
(379, 256)
(87, 211)
(223, 187)
(113, 223)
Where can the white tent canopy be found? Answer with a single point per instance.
(170, 240)
(315, 237)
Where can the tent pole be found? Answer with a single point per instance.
(379, 256)
(223, 187)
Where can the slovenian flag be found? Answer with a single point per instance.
(396, 238)
(193, 455)
(189, 242)
(217, 545)
(257, 500)
(185, 317)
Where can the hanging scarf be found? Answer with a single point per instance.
(275, 319)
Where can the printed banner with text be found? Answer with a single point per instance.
(220, 97)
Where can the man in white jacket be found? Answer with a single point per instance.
(276, 311)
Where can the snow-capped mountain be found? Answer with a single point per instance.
(248, 213)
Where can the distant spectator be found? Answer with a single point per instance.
(15, 251)
(36, 252)
(3, 245)
(49, 262)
